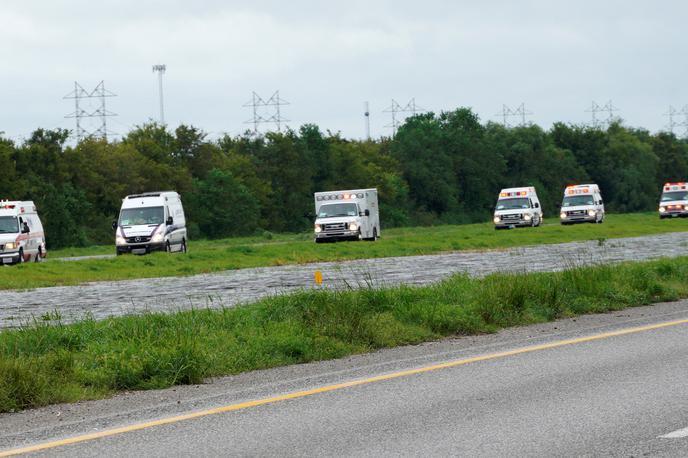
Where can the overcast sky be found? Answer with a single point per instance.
(328, 57)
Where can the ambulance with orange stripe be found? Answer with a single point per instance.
(21, 233)
(674, 200)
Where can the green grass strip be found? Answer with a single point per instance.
(50, 363)
(207, 256)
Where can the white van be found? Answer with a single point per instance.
(674, 200)
(582, 204)
(347, 215)
(151, 221)
(21, 233)
(517, 207)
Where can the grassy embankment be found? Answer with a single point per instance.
(212, 256)
(47, 363)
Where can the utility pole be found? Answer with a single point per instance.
(395, 108)
(596, 108)
(671, 113)
(79, 94)
(160, 69)
(271, 108)
(366, 114)
(520, 112)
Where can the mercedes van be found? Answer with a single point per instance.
(152, 221)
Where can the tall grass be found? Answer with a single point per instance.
(48, 363)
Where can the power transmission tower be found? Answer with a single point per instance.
(266, 111)
(671, 113)
(160, 69)
(684, 124)
(366, 113)
(81, 96)
(596, 108)
(395, 108)
(519, 112)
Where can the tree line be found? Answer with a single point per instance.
(438, 169)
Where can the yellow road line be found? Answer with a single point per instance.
(337, 386)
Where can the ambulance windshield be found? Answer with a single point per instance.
(510, 204)
(679, 195)
(333, 210)
(9, 225)
(141, 216)
(572, 201)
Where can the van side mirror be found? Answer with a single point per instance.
(169, 221)
(367, 212)
(114, 225)
(537, 205)
(25, 229)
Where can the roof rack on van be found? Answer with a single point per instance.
(147, 194)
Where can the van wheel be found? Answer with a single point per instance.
(168, 248)
(21, 256)
(375, 236)
(183, 248)
(39, 256)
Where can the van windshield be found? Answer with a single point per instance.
(510, 204)
(573, 201)
(9, 225)
(678, 195)
(332, 210)
(140, 216)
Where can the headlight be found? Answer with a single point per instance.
(157, 238)
(562, 215)
(10, 246)
(662, 209)
(318, 229)
(592, 212)
(527, 217)
(496, 219)
(353, 226)
(120, 240)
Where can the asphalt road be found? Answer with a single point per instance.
(226, 289)
(601, 385)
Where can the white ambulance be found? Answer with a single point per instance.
(674, 200)
(21, 233)
(152, 221)
(582, 204)
(517, 207)
(347, 215)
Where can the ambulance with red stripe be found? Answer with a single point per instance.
(21, 233)
(674, 200)
(517, 207)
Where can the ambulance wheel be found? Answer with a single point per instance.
(39, 256)
(375, 236)
(21, 256)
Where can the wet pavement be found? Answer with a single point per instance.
(226, 289)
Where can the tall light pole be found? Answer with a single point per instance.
(160, 68)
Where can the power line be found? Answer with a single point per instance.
(671, 113)
(607, 108)
(395, 108)
(80, 95)
(266, 111)
(519, 112)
